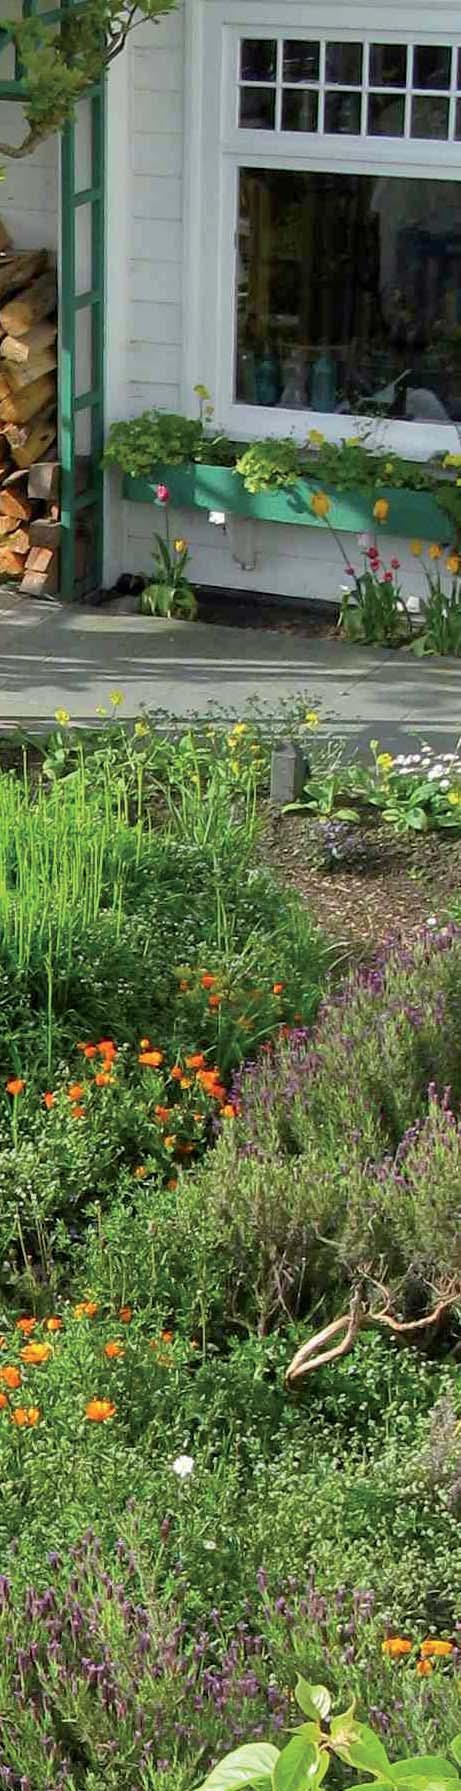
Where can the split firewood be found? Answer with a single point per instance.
(22, 348)
(21, 406)
(41, 573)
(44, 481)
(14, 506)
(45, 532)
(5, 387)
(19, 270)
(7, 525)
(19, 542)
(11, 564)
(31, 444)
(35, 302)
(18, 375)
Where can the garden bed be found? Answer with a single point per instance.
(400, 885)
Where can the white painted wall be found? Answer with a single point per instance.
(29, 192)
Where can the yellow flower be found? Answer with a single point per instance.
(100, 710)
(453, 563)
(311, 719)
(454, 798)
(117, 698)
(320, 503)
(452, 460)
(201, 391)
(432, 1648)
(389, 467)
(416, 548)
(435, 552)
(353, 441)
(141, 728)
(396, 1646)
(180, 545)
(381, 510)
(385, 761)
(240, 728)
(316, 438)
(235, 767)
(63, 717)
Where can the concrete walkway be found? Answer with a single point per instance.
(54, 656)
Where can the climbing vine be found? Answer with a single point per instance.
(60, 61)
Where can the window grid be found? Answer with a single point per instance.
(276, 114)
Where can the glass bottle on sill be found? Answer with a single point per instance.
(294, 390)
(323, 385)
(268, 382)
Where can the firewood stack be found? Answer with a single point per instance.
(29, 492)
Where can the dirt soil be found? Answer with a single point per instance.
(400, 885)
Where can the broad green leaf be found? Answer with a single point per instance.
(252, 1765)
(366, 1752)
(297, 1766)
(426, 1781)
(424, 1767)
(455, 1749)
(314, 1700)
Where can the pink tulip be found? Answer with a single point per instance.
(162, 494)
(395, 565)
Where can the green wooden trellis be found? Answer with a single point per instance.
(81, 477)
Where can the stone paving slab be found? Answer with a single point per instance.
(52, 655)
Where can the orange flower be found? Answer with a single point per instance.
(106, 1048)
(152, 1058)
(277, 988)
(15, 1085)
(170, 1141)
(26, 1325)
(208, 980)
(126, 1314)
(25, 1416)
(86, 1309)
(3, 1402)
(173, 1183)
(215, 1000)
(144, 1044)
(162, 1112)
(11, 1376)
(99, 1410)
(186, 1082)
(112, 1350)
(49, 1100)
(78, 1112)
(176, 1072)
(75, 1092)
(103, 1079)
(36, 1353)
(423, 1667)
(53, 1324)
(436, 1649)
(140, 1172)
(395, 1646)
(88, 1050)
(167, 1336)
(196, 1061)
(228, 1111)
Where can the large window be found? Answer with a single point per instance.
(326, 174)
(349, 294)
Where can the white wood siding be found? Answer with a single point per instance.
(156, 148)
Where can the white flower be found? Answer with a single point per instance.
(183, 1466)
(435, 771)
(444, 783)
(432, 921)
(210, 1545)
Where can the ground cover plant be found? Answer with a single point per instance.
(213, 1137)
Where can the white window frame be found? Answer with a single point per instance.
(216, 147)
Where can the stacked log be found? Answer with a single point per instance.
(28, 416)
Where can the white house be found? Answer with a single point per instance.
(283, 225)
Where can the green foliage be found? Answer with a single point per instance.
(155, 437)
(270, 465)
(59, 62)
(375, 611)
(441, 612)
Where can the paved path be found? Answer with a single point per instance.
(52, 655)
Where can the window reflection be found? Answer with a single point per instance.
(349, 294)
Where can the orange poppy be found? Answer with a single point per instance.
(36, 1353)
(75, 1092)
(176, 1072)
(215, 1000)
(4, 1402)
(49, 1100)
(15, 1085)
(88, 1050)
(436, 1649)
(103, 1079)
(86, 1309)
(277, 988)
(99, 1410)
(106, 1048)
(25, 1416)
(228, 1111)
(395, 1646)
(11, 1376)
(423, 1667)
(186, 1082)
(208, 980)
(207, 1078)
(162, 1112)
(196, 1061)
(167, 1336)
(113, 1349)
(140, 1172)
(126, 1314)
(53, 1324)
(152, 1058)
(172, 1184)
(26, 1325)
(78, 1112)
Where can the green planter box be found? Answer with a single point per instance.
(195, 486)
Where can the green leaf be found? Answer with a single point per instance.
(423, 1769)
(314, 1700)
(455, 1749)
(297, 1767)
(252, 1765)
(365, 1751)
(347, 814)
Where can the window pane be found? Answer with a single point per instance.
(429, 117)
(431, 66)
(343, 113)
(258, 59)
(257, 108)
(349, 294)
(386, 115)
(388, 65)
(344, 64)
(300, 110)
(301, 61)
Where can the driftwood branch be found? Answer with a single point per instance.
(317, 1352)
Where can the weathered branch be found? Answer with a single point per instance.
(313, 1355)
